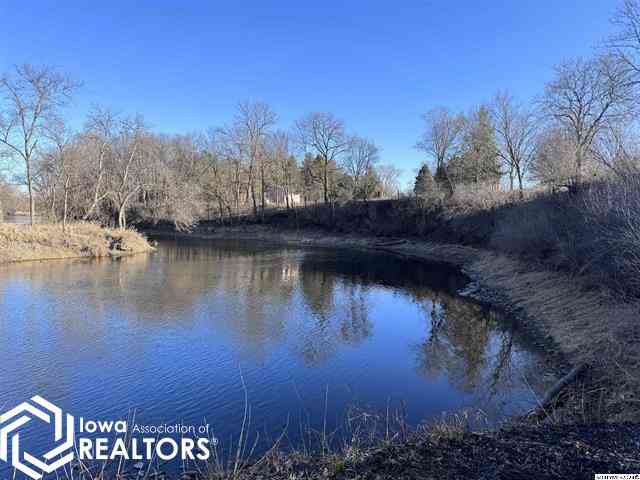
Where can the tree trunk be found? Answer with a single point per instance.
(325, 181)
(262, 187)
(252, 191)
(66, 205)
(32, 206)
(53, 203)
(511, 178)
(122, 218)
(122, 214)
(96, 192)
(578, 178)
(520, 187)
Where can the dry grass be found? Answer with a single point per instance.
(590, 325)
(469, 198)
(454, 426)
(569, 261)
(48, 241)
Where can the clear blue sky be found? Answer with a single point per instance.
(376, 65)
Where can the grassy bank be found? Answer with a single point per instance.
(564, 264)
(47, 242)
(585, 325)
(525, 452)
(446, 449)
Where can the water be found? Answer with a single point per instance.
(174, 335)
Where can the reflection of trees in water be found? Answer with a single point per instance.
(258, 294)
(365, 268)
(467, 344)
(356, 326)
(317, 287)
(339, 315)
(457, 341)
(352, 273)
(245, 290)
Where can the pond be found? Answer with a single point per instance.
(308, 334)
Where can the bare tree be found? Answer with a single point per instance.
(100, 130)
(389, 180)
(172, 180)
(62, 156)
(218, 186)
(625, 42)
(441, 136)
(227, 145)
(358, 162)
(32, 99)
(616, 148)
(585, 96)
(323, 134)
(126, 165)
(516, 128)
(253, 123)
(553, 163)
(284, 168)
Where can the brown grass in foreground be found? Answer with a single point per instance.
(48, 241)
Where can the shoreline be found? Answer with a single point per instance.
(559, 309)
(552, 443)
(81, 241)
(110, 256)
(541, 452)
(557, 443)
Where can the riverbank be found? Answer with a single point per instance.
(19, 243)
(578, 431)
(588, 328)
(523, 452)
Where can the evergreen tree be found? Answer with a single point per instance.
(479, 162)
(424, 186)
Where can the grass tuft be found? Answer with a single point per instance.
(47, 241)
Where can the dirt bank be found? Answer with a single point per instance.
(20, 243)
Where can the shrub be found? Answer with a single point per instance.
(612, 221)
(527, 229)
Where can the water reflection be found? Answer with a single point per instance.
(169, 333)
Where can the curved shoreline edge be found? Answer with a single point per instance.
(564, 310)
(578, 321)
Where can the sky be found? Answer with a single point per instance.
(376, 65)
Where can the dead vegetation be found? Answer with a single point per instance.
(590, 326)
(380, 446)
(565, 263)
(45, 242)
(523, 451)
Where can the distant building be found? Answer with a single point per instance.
(276, 197)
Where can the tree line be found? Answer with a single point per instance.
(116, 169)
(582, 126)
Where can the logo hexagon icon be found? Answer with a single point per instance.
(23, 461)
